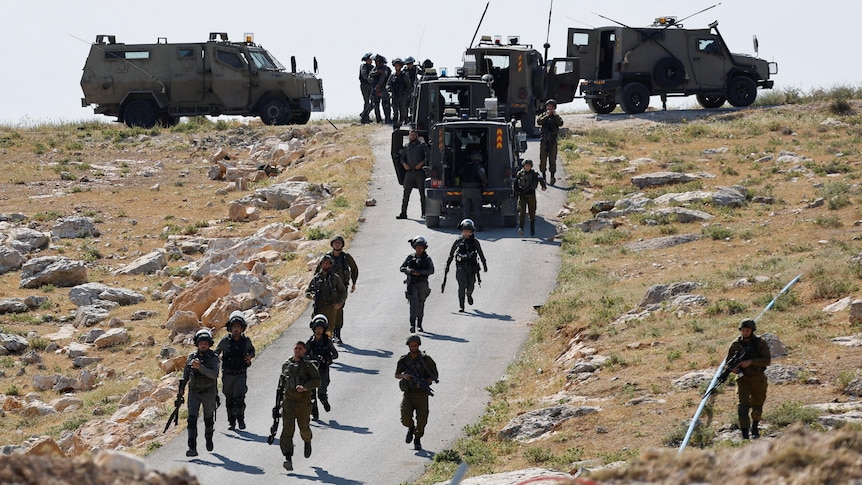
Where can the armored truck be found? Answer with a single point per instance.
(624, 66)
(145, 84)
(522, 81)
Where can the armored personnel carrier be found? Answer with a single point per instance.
(145, 84)
(624, 66)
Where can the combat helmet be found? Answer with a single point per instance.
(319, 320)
(410, 60)
(203, 334)
(467, 224)
(414, 338)
(550, 102)
(397, 60)
(418, 241)
(336, 238)
(237, 316)
(381, 58)
(748, 323)
(367, 55)
(328, 257)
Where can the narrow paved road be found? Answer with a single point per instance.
(362, 440)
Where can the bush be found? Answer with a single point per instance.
(791, 412)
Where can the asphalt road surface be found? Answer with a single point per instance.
(362, 440)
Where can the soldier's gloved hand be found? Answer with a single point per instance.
(486, 268)
(179, 401)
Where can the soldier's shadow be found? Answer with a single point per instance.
(447, 338)
(245, 436)
(349, 349)
(342, 367)
(334, 424)
(490, 316)
(323, 476)
(231, 465)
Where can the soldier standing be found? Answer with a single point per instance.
(378, 77)
(526, 182)
(413, 158)
(399, 88)
(236, 352)
(472, 177)
(327, 290)
(466, 251)
(416, 371)
(201, 375)
(550, 122)
(365, 87)
(418, 266)
(751, 385)
(344, 266)
(321, 349)
(413, 72)
(299, 377)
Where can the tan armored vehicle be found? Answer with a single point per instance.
(624, 65)
(145, 84)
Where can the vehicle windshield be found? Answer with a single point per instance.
(264, 61)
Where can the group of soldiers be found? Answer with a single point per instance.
(391, 87)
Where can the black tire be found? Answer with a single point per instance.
(432, 221)
(601, 106)
(669, 72)
(635, 98)
(301, 117)
(168, 121)
(274, 111)
(710, 101)
(741, 92)
(140, 113)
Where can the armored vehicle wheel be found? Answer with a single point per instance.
(167, 120)
(432, 221)
(741, 92)
(139, 113)
(669, 72)
(710, 102)
(274, 111)
(301, 118)
(601, 106)
(635, 98)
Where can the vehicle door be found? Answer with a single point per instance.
(583, 45)
(187, 73)
(230, 76)
(710, 61)
(563, 79)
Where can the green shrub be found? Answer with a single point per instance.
(791, 412)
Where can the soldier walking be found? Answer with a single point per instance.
(399, 88)
(378, 77)
(327, 290)
(466, 251)
(525, 184)
(365, 87)
(418, 266)
(344, 266)
(751, 385)
(236, 352)
(413, 158)
(321, 349)
(299, 377)
(201, 376)
(550, 123)
(416, 371)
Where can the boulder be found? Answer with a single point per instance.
(74, 227)
(52, 270)
(147, 264)
(26, 240)
(10, 259)
(200, 296)
(112, 337)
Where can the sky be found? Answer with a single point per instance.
(41, 79)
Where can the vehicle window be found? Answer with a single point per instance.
(580, 38)
(232, 59)
(185, 52)
(492, 62)
(260, 61)
(708, 46)
(564, 67)
(127, 54)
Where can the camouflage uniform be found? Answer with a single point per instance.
(345, 267)
(327, 290)
(415, 398)
(751, 386)
(296, 405)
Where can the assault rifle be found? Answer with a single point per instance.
(422, 382)
(729, 366)
(175, 416)
(276, 416)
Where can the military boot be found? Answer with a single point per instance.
(209, 429)
(410, 432)
(193, 436)
(419, 324)
(307, 450)
(240, 412)
(755, 431)
(744, 433)
(231, 414)
(288, 463)
(325, 401)
(412, 325)
(417, 444)
(315, 413)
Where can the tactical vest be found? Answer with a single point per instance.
(233, 357)
(198, 382)
(319, 350)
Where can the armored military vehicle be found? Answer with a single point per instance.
(625, 65)
(522, 82)
(145, 84)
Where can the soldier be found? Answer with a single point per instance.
(416, 371)
(365, 86)
(413, 158)
(236, 352)
(321, 349)
(525, 184)
(299, 377)
(412, 69)
(751, 385)
(378, 77)
(201, 375)
(399, 87)
(466, 251)
(550, 122)
(344, 266)
(417, 267)
(472, 177)
(327, 290)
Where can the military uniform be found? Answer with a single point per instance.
(327, 290)
(296, 405)
(550, 127)
(751, 385)
(324, 352)
(365, 87)
(415, 156)
(415, 398)
(525, 184)
(234, 383)
(417, 285)
(472, 177)
(466, 251)
(399, 87)
(203, 392)
(345, 267)
(378, 77)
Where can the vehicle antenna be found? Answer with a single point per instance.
(164, 88)
(699, 12)
(421, 36)
(580, 22)
(548, 35)
(480, 24)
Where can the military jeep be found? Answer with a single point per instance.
(145, 84)
(624, 65)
